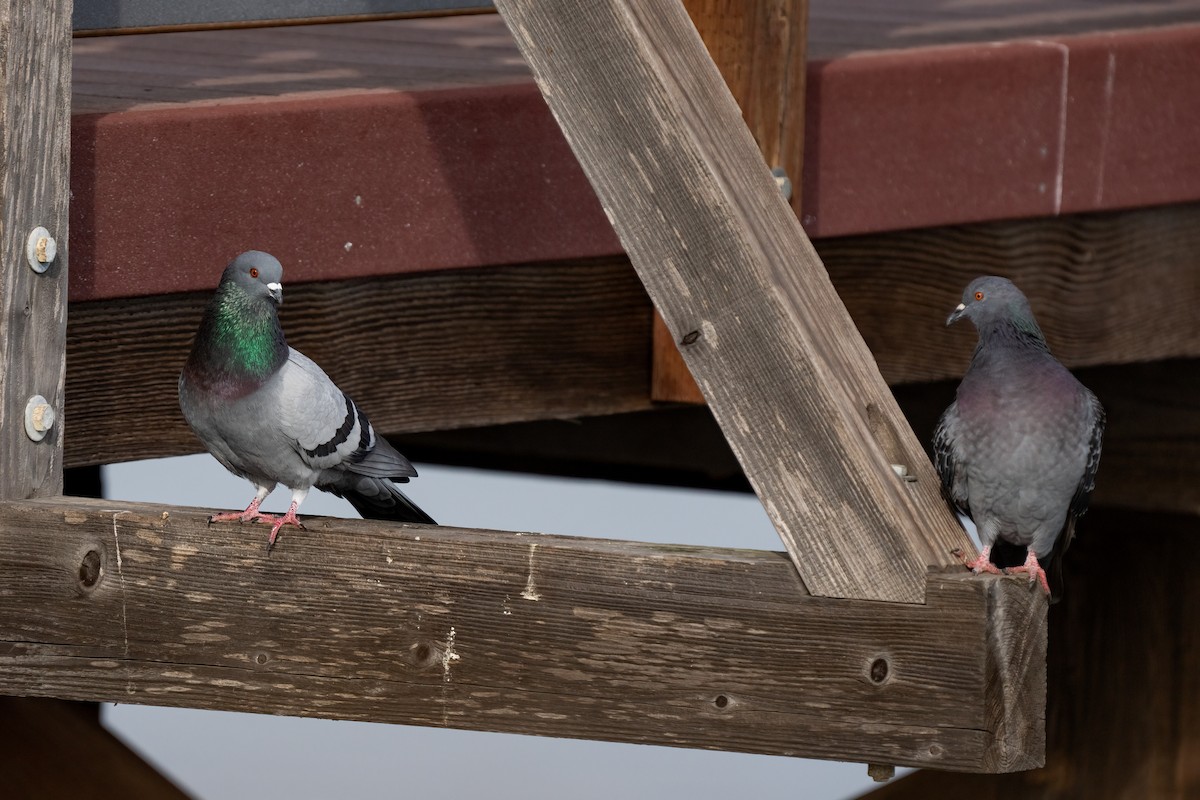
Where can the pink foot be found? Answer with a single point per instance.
(251, 514)
(289, 518)
(981, 564)
(1036, 573)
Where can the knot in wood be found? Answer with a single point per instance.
(879, 670)
(91, 570)
(691, 337)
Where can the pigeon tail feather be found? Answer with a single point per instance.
(376, 498)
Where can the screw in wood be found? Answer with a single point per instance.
(39, 417)
(40, 249)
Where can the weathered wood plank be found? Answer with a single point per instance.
(494, 631)
(57, 749)
(580, 333)
(759, 48)
(35, 122)
(1108, 288)
(424, 352)
(1123, 717)
(1151, 448)
(729, 267)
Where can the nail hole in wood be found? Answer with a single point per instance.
(91, 569)
(425, 655)
(720, 701)
(690, 337)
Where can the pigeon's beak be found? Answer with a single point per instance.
(956, 314)
(276, 290)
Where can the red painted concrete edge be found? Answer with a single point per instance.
(378, 183)
(1027, 128)
(339, 186)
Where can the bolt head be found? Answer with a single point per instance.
(40, 249)
(40, 417)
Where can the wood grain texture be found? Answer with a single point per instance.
(52, 749)
(1107, 288)
(1151, 456)
(35, 121)
(1122, 717)
(526, 633)
(759, 48)
(789, 379)
(581, 331)
(423, 352)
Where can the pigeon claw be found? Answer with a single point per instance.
(1036, 573)
(251, 514)
(289, 518)
(983, 563)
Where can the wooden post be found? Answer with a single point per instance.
(55, 748)
(35, 124)
(725, 260)
(760, 48)
(549, 635)
(1123, 719)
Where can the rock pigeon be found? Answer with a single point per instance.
(1018, 449)
(270, 415)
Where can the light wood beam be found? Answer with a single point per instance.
(786, 373)
(526, 633)
(35, 124)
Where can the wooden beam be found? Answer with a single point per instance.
(1123, 718)
(1151, 451)
(1107, 288)
(141, 16)
(55, 748)
(760, 48)
(35, 123)
(556, 340)
(534, 634)
(787, 375)
(423, 352)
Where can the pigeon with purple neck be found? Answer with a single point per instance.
(1018, 449)
(270, 415)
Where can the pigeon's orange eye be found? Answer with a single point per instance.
(254, 274)
(978, 295)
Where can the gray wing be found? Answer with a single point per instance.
(948, 459)
(1079, 501)
(329, 431)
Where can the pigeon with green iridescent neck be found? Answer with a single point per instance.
(1018, 449)
(272, 416)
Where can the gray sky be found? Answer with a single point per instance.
(227, 756)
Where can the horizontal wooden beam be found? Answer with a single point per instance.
(429, 352)
(1151, 450)
(1097, 283)
(524, 633)
(555, 340)
(100, 17)
(57, 749)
